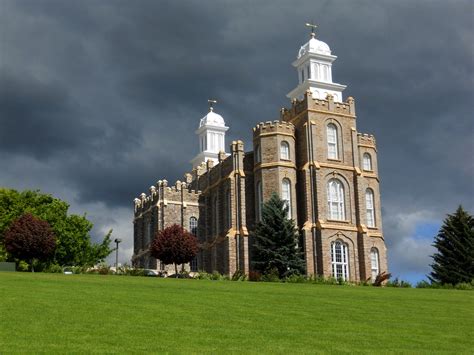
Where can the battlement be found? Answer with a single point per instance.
(311, 103)
(276, 126)
(161, 192)
(367, 139)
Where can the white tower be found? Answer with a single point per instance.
(211, 134)
(313, 65)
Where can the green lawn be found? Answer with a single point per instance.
(54, 313)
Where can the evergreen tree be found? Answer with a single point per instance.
(276, 241)
(454, 261)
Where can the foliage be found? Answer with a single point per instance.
(276, 242)
(215, 276)
(239, 275)
(73, 241)
(454, 260)
(381, 278)
(255, 276)
(398, 283)
(460, 286)
(174, 245)
(30, 238)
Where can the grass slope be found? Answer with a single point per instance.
(94, 313)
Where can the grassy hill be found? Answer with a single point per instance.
(84, 313)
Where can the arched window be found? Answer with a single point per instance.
(286, 194)
(284, 150)
(216, 215)
(369, 207)
(259, 201)
(258, 154)
(331, 131)
(336, 206)
(339, 256)
(229, 209)
(374, 263)
(193, 225)
(367, 162)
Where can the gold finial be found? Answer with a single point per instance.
(211, 102)
(313, 28)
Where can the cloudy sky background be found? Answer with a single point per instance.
(100, 99)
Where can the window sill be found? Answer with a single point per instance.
(339, 221)
(372, 228)
(288, 160)
(335, 160)
(368, 171)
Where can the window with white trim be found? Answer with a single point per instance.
(259, 201)
(286, 194)
(367, 162)
(374, 263)
(331, 134)
(284, 150)
(193, 225)
(369, 207)
(339, 257)
(336, 208)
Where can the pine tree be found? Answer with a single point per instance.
(276, 241)
(454, 261)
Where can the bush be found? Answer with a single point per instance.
(296, 278)
(463, 286)
(271, 276)
(255, 276)
(424, 284)
(398, 283)
(239, 275)
(53, 268)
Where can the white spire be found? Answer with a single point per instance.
(211, 133)
(314, 68)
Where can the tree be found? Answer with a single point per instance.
(30, 238)
(454, 261)
(74, 246)
(174, 245)
(276, 241)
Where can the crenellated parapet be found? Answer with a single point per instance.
(310, 103)
(273, 127)
(366, 139)
(162, 193)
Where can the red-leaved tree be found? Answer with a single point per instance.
(30, 238)
(174, 245)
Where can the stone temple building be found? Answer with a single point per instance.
(312, 156)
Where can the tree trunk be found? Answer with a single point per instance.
(176, 269)
(32, 267)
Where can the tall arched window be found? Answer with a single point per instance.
(369, 207)
(331, 131)
(259, 201)
(229, 209)
(284, 150)
(374, 263)
(339, 256)
(336, 206)
(286, 194)
(258, 154)
(193, 225)
(216, 216)
(367, 162)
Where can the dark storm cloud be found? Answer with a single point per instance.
(39, 119)
(107, 94)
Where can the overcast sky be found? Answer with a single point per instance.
(100, 99)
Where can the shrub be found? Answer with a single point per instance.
(463, 286)
(255, 276)
(271, 276)
(398, 283)
(424, 284)
(239, 275)
(296, 278)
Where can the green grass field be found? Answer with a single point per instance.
(54, 313)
